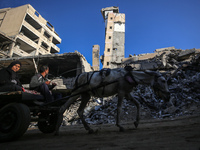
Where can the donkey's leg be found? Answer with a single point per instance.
(62, 110)
(131, 97)
(119, 108)
(85, 97)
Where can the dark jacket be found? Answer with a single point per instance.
(9, 77)
(38, 80)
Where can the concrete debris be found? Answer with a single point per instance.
(181, 68)
(167, 59)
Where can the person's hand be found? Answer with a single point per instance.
(47, 82)
(23, 89)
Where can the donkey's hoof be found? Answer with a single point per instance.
(121, 129)
(91, 131)
(136, 124)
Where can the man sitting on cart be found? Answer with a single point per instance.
(40, 83)
(9, 79)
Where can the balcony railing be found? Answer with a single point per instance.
(20, 52)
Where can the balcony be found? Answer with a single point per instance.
(17, 51)
(56, 38)
(29, 34)
(54, 48)
(31, 29)
(32, 20)
(26, 44)
(43, 51)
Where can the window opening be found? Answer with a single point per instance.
(37, 14)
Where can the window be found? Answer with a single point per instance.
(49, 26)
(114, 49)
(37, 14)
(108, 49)
(107, 63)
(110, 27)
(111, 18)
(109, 37)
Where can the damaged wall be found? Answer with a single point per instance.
(61, 65)
(166, 59)
(114, 37)
(95, 57)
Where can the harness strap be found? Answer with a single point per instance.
(87, 83)
(76, 81)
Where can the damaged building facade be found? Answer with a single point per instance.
(95, 57)
(31, 34)
(72, 65)
(114, 37)
(26, 36)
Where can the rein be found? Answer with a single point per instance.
(87, 83)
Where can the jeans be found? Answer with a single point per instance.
(44, 90)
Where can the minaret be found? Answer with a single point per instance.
(114, 37)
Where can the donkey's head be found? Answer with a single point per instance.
(160, 85)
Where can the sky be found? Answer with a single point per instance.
(150, 24)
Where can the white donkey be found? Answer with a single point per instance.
(108, 82)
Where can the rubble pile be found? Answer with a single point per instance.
(169, 59)
(181, 68)
(98, 113)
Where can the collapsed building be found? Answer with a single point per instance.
(165, 59)
(26, 36)
(180, 67)
(29, 33)
(67, 65)
(32, 40)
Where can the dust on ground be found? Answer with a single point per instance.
(178, 133)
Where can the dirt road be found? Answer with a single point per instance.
(182, 133)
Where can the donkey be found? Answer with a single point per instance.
(108, 82)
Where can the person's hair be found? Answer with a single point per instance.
(43, 68)
(14, 63)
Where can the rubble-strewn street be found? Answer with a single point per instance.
(182, 133)
(88, 75)
(181, 68)
(171, 125)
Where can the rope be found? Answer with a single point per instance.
(70, 70)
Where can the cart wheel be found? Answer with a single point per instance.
(48, 122)
(14, 121)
